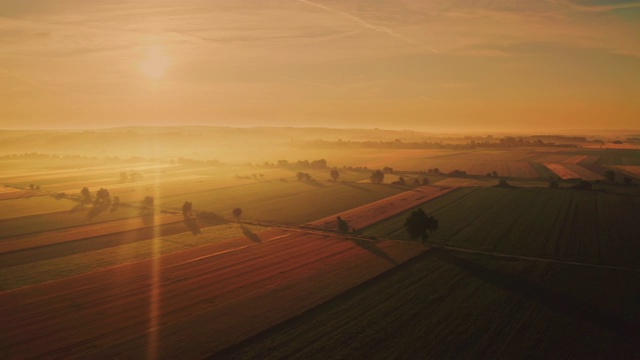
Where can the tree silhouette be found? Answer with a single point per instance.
(343, 226)
(186, 208)
(335, 174)
(237, 212)
(419, 224)
(86, 194)
(377, 177)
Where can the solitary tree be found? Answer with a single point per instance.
(419, 224)
(335, 174)
(377, 177)
(148, 201)
(86, 194)
(237, 212)
(103, 198)
(343, 226)
(186, 208)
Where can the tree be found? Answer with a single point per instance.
(416, 182)
(148, 201)
(86, 194)
(237, 212)
(419, 224)
(377, 177)
(425, 181)
(186, 208)
(103, 198)
(335, 174)
(343, 226)
(303, 177)
(400, 181)
(124, 177)
(319, 164)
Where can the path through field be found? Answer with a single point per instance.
(192, 303)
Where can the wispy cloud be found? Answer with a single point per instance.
(606, 6)
(360, 21)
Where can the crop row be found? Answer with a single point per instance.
(573, 225)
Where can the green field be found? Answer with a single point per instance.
(446, 305)
(14, 208)
(572, 225)
(285, 202)
(60, 220)
(60, 267)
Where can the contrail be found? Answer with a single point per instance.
(380, 29)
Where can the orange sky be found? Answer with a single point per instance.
(434, 65)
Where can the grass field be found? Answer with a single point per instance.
(286, 202)
(35, 272)
(14, 208)
(445, 305)
(520, 272)
(572, 225)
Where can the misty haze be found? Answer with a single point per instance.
(324, 179)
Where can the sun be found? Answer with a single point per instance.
(155, 63)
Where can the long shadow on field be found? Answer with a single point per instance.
(315, 183)
(372, 248)
(552, 299)
(251, 235)
(42, 253)
(353, 185)
(77, 208)
(192, 225)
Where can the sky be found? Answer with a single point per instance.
(430, 65)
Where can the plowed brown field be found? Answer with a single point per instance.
(379, 210)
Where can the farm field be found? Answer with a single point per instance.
(25, 206)
(170, 306)
(286, 202)
(57, 262)
(130, 284)
(374, 212)
(563, 224)
(446, 304)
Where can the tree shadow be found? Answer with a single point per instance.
(147, 216)
(97, 210)
(352, 185)
(192, 224)
(372, 248)
(550, 298)
(251, 235)
(77, 208)
(314, 183)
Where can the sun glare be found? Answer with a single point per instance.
(155, 63)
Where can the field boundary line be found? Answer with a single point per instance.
(530, 258)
